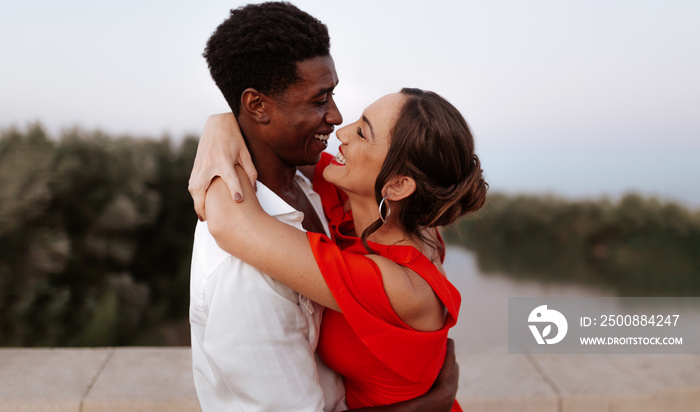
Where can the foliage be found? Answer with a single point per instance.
(636, 246)
(96, 232)
(95, 238)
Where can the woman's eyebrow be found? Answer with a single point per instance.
(366, 120)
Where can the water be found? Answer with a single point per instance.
(483, 316)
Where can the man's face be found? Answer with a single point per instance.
(304, 116)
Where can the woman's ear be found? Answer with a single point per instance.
(399, 187)
(254, 105)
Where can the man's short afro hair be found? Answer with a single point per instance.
(259, 45)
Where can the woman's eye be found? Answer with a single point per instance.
(359, 132)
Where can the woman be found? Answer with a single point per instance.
(403, 169)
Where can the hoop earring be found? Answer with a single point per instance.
(384, 219)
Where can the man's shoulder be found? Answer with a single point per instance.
(212, 265)
(206, 252)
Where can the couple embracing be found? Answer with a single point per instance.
(317, 280)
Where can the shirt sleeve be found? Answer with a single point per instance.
(253, 344)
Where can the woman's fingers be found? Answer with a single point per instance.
(197, 186)
(220, 148)
(198, 190)
(234, 185)
(246, 162)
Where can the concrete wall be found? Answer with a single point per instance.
(160, 379)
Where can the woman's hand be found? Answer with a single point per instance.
(220, 148)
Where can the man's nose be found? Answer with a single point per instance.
(333, 116)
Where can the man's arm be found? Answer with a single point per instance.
(441, 396)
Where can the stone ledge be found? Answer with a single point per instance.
(160, 379)
(92, 380)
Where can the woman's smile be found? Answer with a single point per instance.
(364, 146)
(339, 159)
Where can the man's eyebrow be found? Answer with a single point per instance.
(327, 90)
(366, 120)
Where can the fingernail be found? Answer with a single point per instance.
(255, 186)
(237, 197)
(201, 219)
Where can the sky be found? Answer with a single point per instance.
(577, 99)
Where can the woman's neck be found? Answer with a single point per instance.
(365, 211)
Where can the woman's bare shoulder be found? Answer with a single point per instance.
(411, 297)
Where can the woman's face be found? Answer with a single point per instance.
(364, 146)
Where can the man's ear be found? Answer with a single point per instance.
(399, 187)
(255, 105)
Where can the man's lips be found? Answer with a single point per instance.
(323, 138)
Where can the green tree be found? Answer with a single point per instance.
(635, 246)
(95, 237)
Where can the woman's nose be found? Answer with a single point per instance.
(342, 134)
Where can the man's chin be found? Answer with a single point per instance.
(314, 159)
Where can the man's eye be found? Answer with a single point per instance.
(325, 99)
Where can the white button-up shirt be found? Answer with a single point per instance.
(254, 339)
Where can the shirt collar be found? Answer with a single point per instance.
(274, 205)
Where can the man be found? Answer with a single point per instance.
(254, 339)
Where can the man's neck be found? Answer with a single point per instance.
(277, 175)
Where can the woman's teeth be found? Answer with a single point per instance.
(323, 138)
(340, 158)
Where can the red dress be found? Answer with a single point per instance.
(382, 359)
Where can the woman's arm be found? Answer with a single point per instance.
(244, 230)
(220, 148)
(282, 251)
